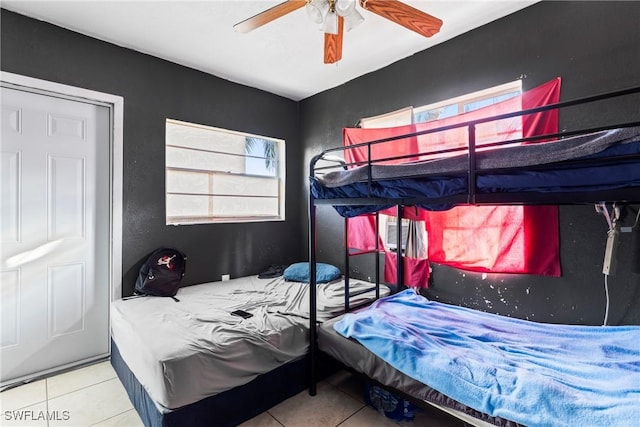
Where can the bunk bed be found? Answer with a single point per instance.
(589, 165)
(194, 362)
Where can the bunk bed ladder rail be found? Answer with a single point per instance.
(369, 169)
(471, 194)
(313, 333)
(377, 261)
(348, 255)
(399, 254)
(347, 268)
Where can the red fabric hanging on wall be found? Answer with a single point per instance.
(507, 239)
(362, 234)
(398, 147)
(500, 239)
(416, 271)
(503, 239)
(546, 122)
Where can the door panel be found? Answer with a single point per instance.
(66, 197)
(55, 233)
(10, 207)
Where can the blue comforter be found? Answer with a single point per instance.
(532, 373)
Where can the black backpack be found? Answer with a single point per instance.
(161, 274)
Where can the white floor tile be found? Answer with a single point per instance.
(92, 404)
(79, 378)
(24, 395)
(126, 419)
(329, 407)
(93, 396)
(367, 417)
(31, 416)
(351, 384)
(262, 420)
(339, 377)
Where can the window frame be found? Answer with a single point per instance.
(389, 232)
(211, 218)
(463, 100)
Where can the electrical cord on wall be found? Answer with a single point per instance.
(609, 257)
(606, 291)
(636, 222)
(612, 236)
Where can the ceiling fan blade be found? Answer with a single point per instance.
(405, 15)
(269, 15)
(333, 44)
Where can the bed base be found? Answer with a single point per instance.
(225, 409)
(439, 402)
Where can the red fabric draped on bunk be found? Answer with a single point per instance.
(499, 239)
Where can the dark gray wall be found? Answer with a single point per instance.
(154, 90)
(594, 47)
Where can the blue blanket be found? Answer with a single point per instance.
(532, 373)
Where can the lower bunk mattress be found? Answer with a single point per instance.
(184, 351)
(499, 370)
(352, 354)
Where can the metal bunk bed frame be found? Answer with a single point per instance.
(630, 195)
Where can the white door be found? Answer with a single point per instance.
(54, 253)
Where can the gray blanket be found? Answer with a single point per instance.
(506, 157)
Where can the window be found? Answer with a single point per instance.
(218, 175)
(389, 231)
(466, 103)
(478, 238)
(395, 118)
(488, 102)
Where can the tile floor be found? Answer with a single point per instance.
(89, 396)
(94, 396)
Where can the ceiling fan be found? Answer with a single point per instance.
(336, 15)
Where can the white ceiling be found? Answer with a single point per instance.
(284, 57)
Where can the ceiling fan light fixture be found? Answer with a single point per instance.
(316, 10)
(336, 16)
(345, 7)
(352, 20)
(330, 25)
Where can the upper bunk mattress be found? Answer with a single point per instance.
(182, 352)
(575, 164)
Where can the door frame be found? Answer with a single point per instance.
(115, 104)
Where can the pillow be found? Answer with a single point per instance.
(299, 272)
